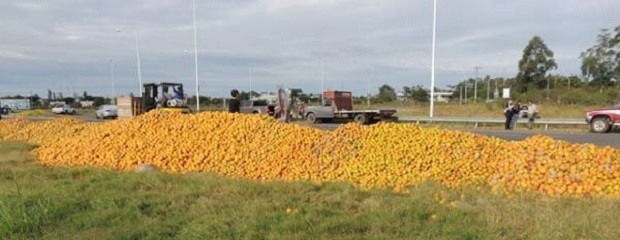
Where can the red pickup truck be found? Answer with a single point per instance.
(603, 120)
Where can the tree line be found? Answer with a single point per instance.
(599, 82)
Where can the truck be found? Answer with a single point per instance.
(165, 96)
(338, 105)
(258, 106)
(603, 120)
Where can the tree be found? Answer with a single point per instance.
(387, 93)
(36, 101)
(98, 101)
(537, 60)
(85, 95)
(417, 93)
(69, 100)
(600, 64)
(49, 94)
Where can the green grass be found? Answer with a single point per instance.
(63, 203)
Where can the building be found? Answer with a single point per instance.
(16, 104)
(443, 96)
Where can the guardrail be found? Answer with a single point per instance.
(476, 121)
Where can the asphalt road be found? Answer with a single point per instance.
(604, 139)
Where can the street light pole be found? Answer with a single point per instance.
(196, 57)
(251, 80)
(476, 85)
(139, 68)
(138, 64)
(322, 79)
(433, 59)
(111, 61)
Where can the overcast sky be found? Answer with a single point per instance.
(70, 45)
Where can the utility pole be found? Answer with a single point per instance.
(250, 70)
(466, 86)
(368, 92)
(488, 88)
(461, 95)
(547, 89)
(476, 85)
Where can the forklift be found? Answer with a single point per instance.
(166, 96)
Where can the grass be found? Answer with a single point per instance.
(64, 203)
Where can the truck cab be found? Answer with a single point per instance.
(603, 120)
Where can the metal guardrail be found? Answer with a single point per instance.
(476, 121)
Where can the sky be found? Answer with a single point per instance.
(358, 45)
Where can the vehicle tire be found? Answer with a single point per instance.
(255, 112)
(600, 125)
(361, 119)
(312, 118)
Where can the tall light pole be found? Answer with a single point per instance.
(368, 92)
(433, 59)
(138, 64)
(322, 79)
(196, 57)
(250, 70)
(111, 61)
(138, 67)
(476, 85)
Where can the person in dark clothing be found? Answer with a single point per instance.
(508, 114)
(234, 106)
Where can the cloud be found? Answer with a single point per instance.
(65, 44)
(9, 54)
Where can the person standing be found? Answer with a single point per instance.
(516, 109)
(532, 113)
(508, 114)
(234, 105)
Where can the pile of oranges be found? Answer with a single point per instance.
(384, 155)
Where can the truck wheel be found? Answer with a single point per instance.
(361, 119)
(312, 118)
(600, 125)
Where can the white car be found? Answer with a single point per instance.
(63, 109)
(106, 111)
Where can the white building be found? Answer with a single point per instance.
(443, 96)
(16, 104)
